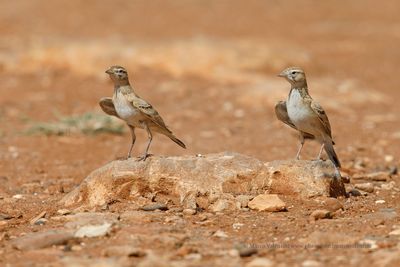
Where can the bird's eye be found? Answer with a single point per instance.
(293, 72)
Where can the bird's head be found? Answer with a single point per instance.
(294, 75)
(118, 74)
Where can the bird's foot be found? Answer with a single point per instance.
(144, 157)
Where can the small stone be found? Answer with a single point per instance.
(389, 158)
(355, 193)
(78, 220)
(267, 202)
(121, 251)
(380, 201)
(203, 217)
(93, 230)
(243, 200)
(220, 234)
(395, 232)
(43, 240)
(375, 176)
(367, 187)
(41, 221)
(237, 226)
(4, 216)
(388, 186)
(320, 214)
(193, 257)
(247, 251)
(35, 219)
(153, 207)
(370, 243)
(333, 204)
(63, 211)
(310, 263)
(18, 196)
(260, 262)
(189, 211)
(222, 205)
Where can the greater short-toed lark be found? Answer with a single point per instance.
(307, 116)
(136, 112)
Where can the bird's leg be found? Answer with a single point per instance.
(301, 146)
(150, 135)
(133, 140)
(320, 151)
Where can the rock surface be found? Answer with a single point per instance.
(191, 177)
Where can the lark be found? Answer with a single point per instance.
(304, 114)
(136, 112)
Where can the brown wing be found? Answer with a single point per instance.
(147, 110)
(107, 106)
(282, 115)
(316, 107)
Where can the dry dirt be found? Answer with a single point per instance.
(209, 67)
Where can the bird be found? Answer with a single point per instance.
(306, 115)
(135, 111)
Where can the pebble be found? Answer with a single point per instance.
(124, 250)
(260, 262)
(42, 239)
(333, 204)
(395, 232)
(247, 251)
(355, 193)
(35, 219)
(243, 200)
(63, 211)
(267, 202)
(153, 207)
(367, 187)
(41, 221)
(320, 214)
(189, 211)
(93, 230)
(4, 216)
(222, 205)
(375, 176)
(193, 257)
(310, 263)
(380, 201)
(220, 234)
(237, 226)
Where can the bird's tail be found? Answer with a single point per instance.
(176, 140)
(330, 151)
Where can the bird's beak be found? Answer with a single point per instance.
(282, 74)
(109, 71)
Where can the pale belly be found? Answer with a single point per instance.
(302, 115)
(127, 112)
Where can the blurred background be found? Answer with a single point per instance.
(209, 68)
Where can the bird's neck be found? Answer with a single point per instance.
(126, 88)
(302, 89)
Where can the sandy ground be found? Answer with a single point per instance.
(209, 67)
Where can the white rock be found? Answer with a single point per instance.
(380, 201)
(220, 234)
(93, 230)
(260, 262)
(310, 263)
(395, 232)
(267, 202)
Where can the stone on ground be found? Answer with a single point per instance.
(201, 181)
